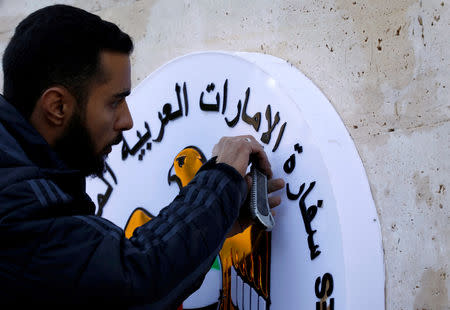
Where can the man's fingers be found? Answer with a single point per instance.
(274, 201)
(236, 151)
(274, 185)
(258, 151)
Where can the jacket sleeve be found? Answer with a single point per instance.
(163, 261)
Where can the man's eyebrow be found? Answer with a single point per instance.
(123, 94)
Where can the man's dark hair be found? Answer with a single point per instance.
(57, 45)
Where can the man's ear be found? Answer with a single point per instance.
(56, 106)
(52, 112)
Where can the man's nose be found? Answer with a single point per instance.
(124, 121)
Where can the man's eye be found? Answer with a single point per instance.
(114, 104)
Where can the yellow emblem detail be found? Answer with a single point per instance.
(187, 163)
(138, 218)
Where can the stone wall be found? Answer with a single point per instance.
(385, 67)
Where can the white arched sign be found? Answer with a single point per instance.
(325, 250)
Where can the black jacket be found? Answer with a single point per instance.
(53, 249)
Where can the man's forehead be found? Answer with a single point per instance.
(115, 66)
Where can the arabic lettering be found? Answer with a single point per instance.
(102, 199)
(266, 136)
(138, 146)
(214, 107)
(289, 164)
(308, 215)
(225, 96)
(235, 120)
(167, 114)
(255, 120)
(324, 285)
(210, 106)
(324, 292)
(185, 97)
(280, 135)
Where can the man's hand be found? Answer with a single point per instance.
(236, 151)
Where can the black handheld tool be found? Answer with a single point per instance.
(259, 203)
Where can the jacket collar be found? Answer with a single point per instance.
(32, 143)
(41, 155)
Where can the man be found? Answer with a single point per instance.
(66, 77)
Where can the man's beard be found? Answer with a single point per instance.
(77, 149)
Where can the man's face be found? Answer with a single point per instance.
(92, 131)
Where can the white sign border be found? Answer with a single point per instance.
(360, 227)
